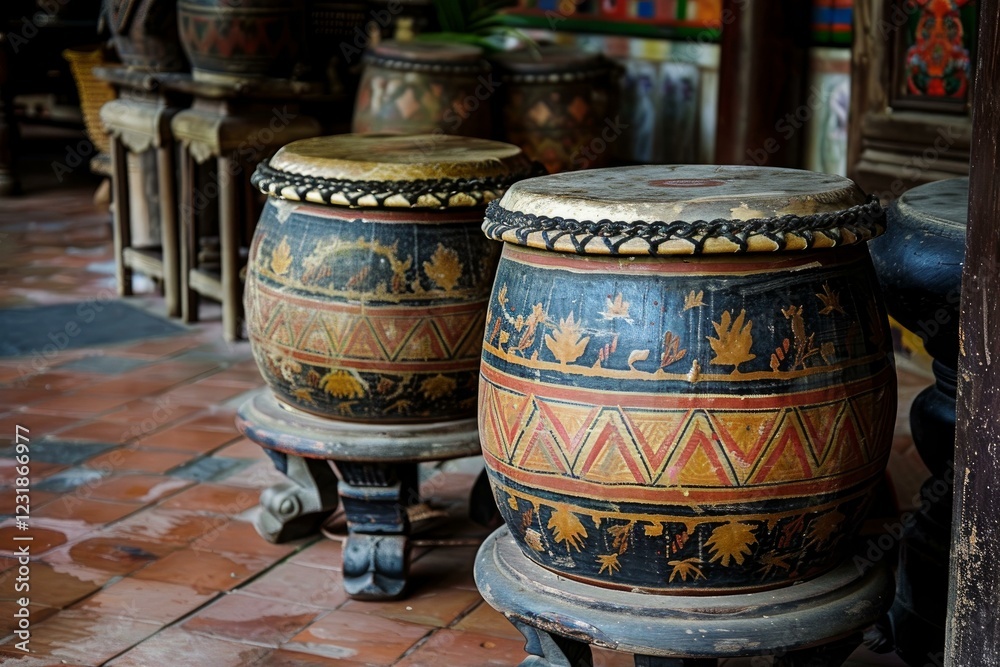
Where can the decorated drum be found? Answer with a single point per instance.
(557, 105)
(686, 383)
(368, 275)
(425, 87)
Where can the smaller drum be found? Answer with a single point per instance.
(558, 105)
(425, 87)
(368, 277)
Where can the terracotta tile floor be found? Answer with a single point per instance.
(143, 493)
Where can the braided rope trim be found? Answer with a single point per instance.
(428, 193)
(562, 76)
(438, 67)
(853, 225)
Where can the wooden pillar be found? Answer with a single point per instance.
(973, 631)
(762, 82)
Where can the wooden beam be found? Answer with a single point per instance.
(973, 631)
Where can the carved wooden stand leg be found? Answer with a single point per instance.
(552, 650)
(296, 508)
(833, 654)
(377, 552)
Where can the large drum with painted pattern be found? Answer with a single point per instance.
(686, 383)
(368, 276)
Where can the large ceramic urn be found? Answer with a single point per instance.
(228, 40)
(368, 274)
(686, 383)
(557, 103)
(425, 87)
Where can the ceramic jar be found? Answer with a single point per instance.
(144, 33)
(368, 276)
(686, 383)
(241, 39)
(558, 106)
(425, 87)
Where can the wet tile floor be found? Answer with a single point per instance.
(143, 493)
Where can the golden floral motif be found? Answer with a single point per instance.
(693, 300)
(343, 384)
(671, 350)
(527, 327)
(823, 527)
(771, 561)
(685, 568)
(621, 536)
(617, 309)
(304, 395)
(444, 268)
(732, 347)
(567, 528)
(805, 344)
(437, 386)
(281, 258)
(831, 301)
(731, 542)
(566, 343)
(610, 563)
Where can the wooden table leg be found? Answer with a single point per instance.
(229, 242)
(168, 229)
(121, 218)
(188, 238)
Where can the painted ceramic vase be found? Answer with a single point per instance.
(241, 39)
(144, 33)
(425, 87)
(686, 383)
(368, 276)
(559, 107)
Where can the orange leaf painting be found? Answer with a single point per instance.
(567, 528)
(281, 258)
(565, 343)
(732, 347)
(731, 542)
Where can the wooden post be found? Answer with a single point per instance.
(762, 82)
(973, 631)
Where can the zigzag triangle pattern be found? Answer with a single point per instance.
(698, 448)
(324, 331)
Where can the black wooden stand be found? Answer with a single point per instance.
(817, 623)
(377, 468)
